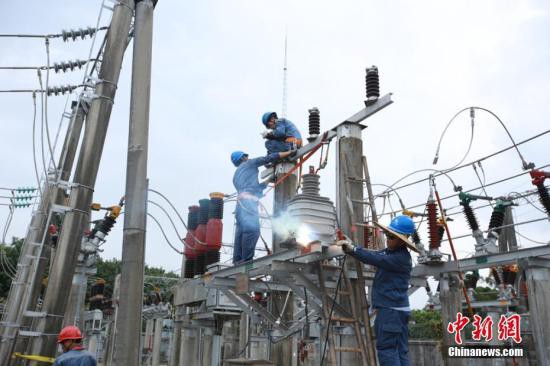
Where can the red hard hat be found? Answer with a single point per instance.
(68, 333)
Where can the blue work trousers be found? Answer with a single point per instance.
(276, 146)
(392, 337)
(247, 231)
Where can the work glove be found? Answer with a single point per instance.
(347, 246)
(267, 134)
(293, 153)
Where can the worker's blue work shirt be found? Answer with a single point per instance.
(285, 128)
(391, 281)
(245, 178)
(75, 357)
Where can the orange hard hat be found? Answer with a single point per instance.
(70, 332)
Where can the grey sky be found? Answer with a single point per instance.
(218, 67)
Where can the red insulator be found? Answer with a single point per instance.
(433, 227)
(214, 228)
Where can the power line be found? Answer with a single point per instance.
(71, 34)
(467, 164)
(164, 234)
(467, 191)
(500, 227)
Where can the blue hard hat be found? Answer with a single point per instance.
(402, 225)
(266, 116)
(236, 157)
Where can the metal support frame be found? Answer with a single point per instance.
(478, 262)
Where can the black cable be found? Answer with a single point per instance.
(332, 308)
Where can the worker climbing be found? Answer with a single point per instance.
(389, 290)
(281, 134)
(74, 353)
(249, 190)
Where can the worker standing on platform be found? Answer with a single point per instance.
(249, 191)
(74, 353)
(281, 134)
(389, 289)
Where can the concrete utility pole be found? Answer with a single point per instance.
(281, 352)
(24, 294)
(127, 341)
(349, 208)
(451, 304)
(82, 188)
(537, 273)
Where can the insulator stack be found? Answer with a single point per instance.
(544, 197)
(200, 235)
(433, 226)
(60, 90)
(497, 219)
(314, 123)
(69, 65)
(97, 294)
(310, 183)
(189, 250)
(470, 215)
(509, 273)
(367, 236)
(372, 83)
(204, 208)
(214, 228)
(497, 274)
(73, 34)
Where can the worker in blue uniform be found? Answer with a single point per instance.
(281, 134)
(389, 289)
(74, 354)
(249, 191)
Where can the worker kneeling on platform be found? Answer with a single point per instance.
(281, 134)
(74, 353)
(389, 289)
(249, 190)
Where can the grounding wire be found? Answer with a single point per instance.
(169, 217)
(44, 166)
(436, 158)
(481, 182)
(164, 234)
(436, 171)
(34, 147)
(472, 108)
(197, 241)
(473, 161)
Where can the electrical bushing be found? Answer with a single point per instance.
(497, 219)
(189, 250)
(200, 236)
(314, 216)
(214, 228)
(372, 84)
(433, 227)
(97, 294)
(314, 123)
(538, 177)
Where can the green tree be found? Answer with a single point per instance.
(9, 255)
(426, 324)
(160, 278)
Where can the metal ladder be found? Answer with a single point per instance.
(343, 289)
